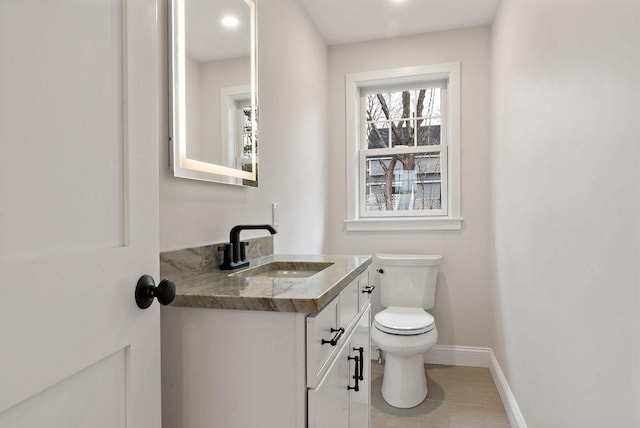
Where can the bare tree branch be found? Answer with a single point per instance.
(388, 181)
(385, 109)
(420, 104)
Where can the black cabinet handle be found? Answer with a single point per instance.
(380, 270)
(368, 289)
(356, 374)
(333, 342)
(361, 351)
(146, 290)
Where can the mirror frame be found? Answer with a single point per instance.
(181, 165)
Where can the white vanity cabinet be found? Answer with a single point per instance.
(338, 346)
(342, 397)
(241, 368)
(329, 329)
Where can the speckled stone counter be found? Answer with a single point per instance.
(205, 286)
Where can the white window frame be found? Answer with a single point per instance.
(231, 101)
(449, 216)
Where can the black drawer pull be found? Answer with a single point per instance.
(361, 351)
(368, 289)
(333, 342)
(356, 374)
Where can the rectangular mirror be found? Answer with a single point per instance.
(213, 90)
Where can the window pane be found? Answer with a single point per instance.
(389, 106)
(400, 105)
(428, 104)
(428, 111)
(428, 135)
(403, 182)
(402, 133)
(247, 128)
(374, 108)
(378, 135)
(379, 107)
(427, 196)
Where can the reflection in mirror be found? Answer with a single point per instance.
(213, 88)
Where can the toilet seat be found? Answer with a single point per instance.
(404, 321)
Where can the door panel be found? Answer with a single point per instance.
(104, 406)
(62, 118)
(78, 211)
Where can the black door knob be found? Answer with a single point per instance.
(146, 290)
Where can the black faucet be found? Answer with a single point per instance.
(234, 255)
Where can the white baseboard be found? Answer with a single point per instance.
(475, 357)
(458, 356)
(508, 399)
(451, 355)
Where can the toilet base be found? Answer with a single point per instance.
(404, 384)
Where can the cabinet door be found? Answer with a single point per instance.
(349, 308)
(329, 402)
(360, 346)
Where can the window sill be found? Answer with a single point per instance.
(402, 224)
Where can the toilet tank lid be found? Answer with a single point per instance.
(408, 259)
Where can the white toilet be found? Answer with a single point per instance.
(404, 330)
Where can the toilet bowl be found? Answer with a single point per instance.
(405, 330)
(404, 384)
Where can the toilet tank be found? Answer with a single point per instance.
(408, 280)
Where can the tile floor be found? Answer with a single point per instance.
(459, 397)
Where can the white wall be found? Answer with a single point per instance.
(566, 209)
(293, 159)
(462, 311)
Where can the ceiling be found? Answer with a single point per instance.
(207, 39)
(346, 21)
(339, 21)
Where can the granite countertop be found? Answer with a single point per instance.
(217, 289)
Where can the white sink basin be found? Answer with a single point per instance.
(282, 273)
(284, 269)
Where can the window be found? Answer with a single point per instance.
(403, 149)
(237, 128)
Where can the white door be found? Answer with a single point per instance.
(78, 213)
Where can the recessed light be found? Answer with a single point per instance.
(230, 21)
(398, 1)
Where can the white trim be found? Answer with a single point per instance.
(466, 356)
(451, 205)
(404, 85)
(403, 223)
(454, 105)
(516, 419)
(404, 149)
(458, 356)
